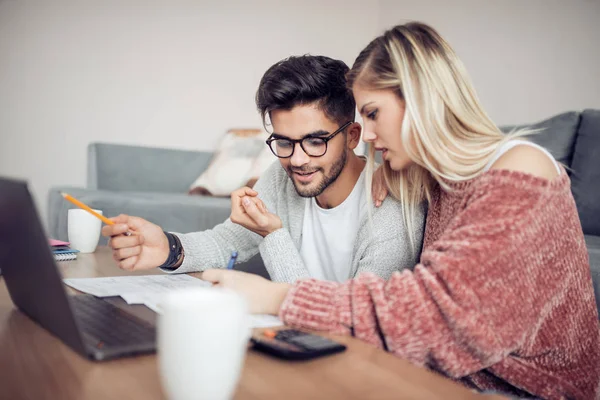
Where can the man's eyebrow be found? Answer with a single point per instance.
(362, 109)
(318, 133)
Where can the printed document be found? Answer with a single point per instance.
(148, 289)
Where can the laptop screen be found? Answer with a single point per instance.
(31, 275)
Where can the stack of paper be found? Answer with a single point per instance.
(148, 290)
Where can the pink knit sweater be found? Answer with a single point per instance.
(502, 297)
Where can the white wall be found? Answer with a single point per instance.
(528, 59)
(180, 73)
(174, 74)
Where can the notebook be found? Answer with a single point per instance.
(65, 256)
(61, 250)
(56, 243)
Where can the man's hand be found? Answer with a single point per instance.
(147, 246)
(250, 212)
(263, 296)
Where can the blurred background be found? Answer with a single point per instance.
(179, 74)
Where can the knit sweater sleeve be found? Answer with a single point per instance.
(477, 294)
(212, 248)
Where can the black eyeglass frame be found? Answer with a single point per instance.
(325, 139)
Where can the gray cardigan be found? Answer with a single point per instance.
(381, 251)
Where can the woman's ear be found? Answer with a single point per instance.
(353, 136)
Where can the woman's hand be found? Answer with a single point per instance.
(379, 188)
(263, 296)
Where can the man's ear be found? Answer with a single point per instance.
(353, 136)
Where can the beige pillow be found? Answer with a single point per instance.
(240, 159)
(262, 161)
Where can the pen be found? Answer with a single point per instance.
(234, 255)
(88, 209)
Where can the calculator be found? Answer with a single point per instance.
(291, 344)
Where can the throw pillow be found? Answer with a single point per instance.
(239, 159)
(262, 161)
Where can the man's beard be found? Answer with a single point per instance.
(336, 170)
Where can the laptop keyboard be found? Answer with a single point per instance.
(110, 324)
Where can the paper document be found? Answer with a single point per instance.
(119, 285)
(264, 321)
(148, 290)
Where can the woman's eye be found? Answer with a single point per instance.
(372, 114)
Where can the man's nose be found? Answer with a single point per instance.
(299, 158)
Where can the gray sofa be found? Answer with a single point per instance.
(152, 183)
(573, 138)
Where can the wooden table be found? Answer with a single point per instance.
(36, 365)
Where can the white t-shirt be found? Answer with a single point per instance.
(328, 235)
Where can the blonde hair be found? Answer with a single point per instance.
(445, 131)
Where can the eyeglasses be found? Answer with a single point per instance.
(312, 145)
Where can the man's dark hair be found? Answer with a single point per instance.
(304, 80)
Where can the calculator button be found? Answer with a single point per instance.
(287, 334)
(270, 333)
(311, 342)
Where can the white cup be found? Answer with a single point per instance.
(202, 340)
(83, 230)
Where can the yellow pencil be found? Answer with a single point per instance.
(86, 208)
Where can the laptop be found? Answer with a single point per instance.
(89, 325)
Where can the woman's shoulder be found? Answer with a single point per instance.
(527, 159)
(519, 168)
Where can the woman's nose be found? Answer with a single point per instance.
(368, 135)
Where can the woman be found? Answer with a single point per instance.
(502, 297)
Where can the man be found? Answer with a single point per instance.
(308, 214)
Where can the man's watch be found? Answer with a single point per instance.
(175, 252)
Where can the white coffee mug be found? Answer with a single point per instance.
(202, 340)
(83, 230)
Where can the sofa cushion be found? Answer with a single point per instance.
(120, 167)
(557, 136)
(585, 174)
(175, 212)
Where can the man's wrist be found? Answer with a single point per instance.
(175, 256)
(275, 229)
(181, 257)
